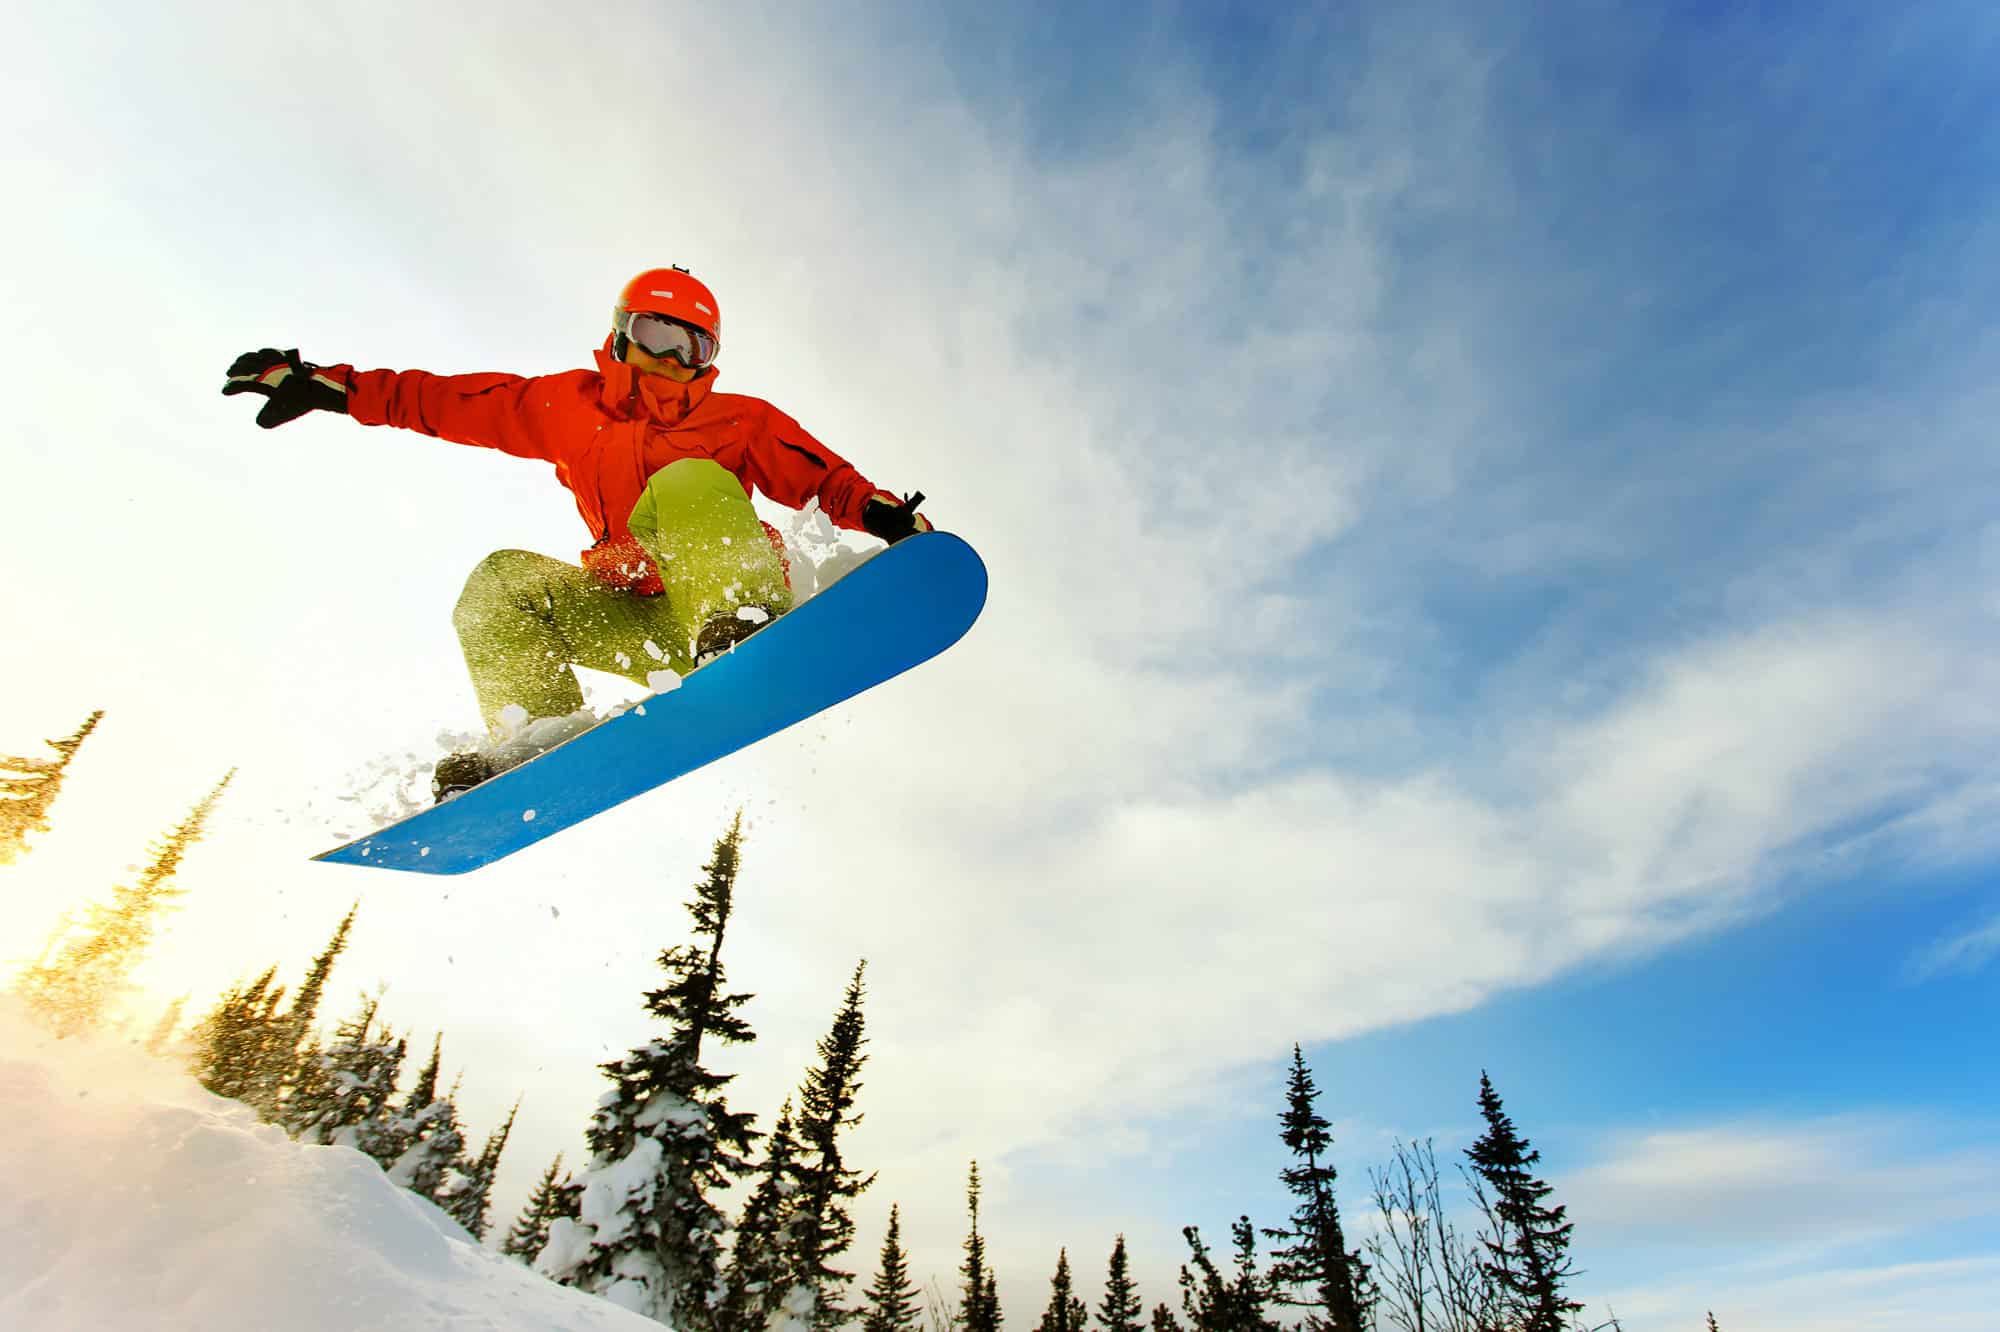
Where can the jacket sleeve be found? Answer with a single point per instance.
(495, 411)
(789, 465)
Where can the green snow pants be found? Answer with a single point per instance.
(524, 619)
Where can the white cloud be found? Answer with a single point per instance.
(1793, 1224)
(1964, 952)
(1803, 1188)
(1951, 1295)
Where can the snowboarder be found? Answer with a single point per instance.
(661, 466)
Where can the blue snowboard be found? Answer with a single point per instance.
(904, 606)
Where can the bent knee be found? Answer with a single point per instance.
(499, 580)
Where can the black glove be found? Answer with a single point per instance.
(294, 387)
(891, 519)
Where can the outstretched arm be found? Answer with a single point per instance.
(495, 411)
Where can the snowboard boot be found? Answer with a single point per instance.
(725, 629)
(456, 774)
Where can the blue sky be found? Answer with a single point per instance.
(1492, 549)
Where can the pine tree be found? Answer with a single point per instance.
(307, 1088)
(1527, 1251)
(304, 1010)
(25, 796)
(980, 1299)
(393, 1132)
(892, 1299)
(1214, 1304)
(1164, 1320)
(1338, 1292)
(72, 993)
(305, 1005)
(347, 1101)
(164, 1029)
(232, 1045)
(824, 1228)
(1122, 1306)
(428, 1133)
(290, 1049)
(1066, 1313)
(766, 1247)
(665, 1137)
(1711, 1322)
(468, 1190)
(531, 1229)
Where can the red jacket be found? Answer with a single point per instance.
(607, 431)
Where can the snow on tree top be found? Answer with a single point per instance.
(664, 1108)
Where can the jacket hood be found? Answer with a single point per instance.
(629, 395)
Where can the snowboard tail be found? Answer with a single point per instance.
(901, 608)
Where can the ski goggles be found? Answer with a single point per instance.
(661, 337)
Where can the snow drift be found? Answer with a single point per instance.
(130, 1196)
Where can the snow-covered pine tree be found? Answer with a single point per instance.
(823, 1227)
(28, 786)
(530, 1230)
(1121, 1307)
(426, 1129)
(765, 1248)
(468, 1190)
(892, 1297)
(388, 1133)
(1318, 1272)
(1066, 1313)
(1527, 1247)
(979, 1298)
(646, 1235)
(1214, 1304)
(73, 992)
(348, 1104)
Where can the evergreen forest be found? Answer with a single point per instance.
(642, 1216)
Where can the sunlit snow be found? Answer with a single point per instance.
(135, 1199)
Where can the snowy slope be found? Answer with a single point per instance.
(132, 1198)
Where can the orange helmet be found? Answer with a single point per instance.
(672, 292)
